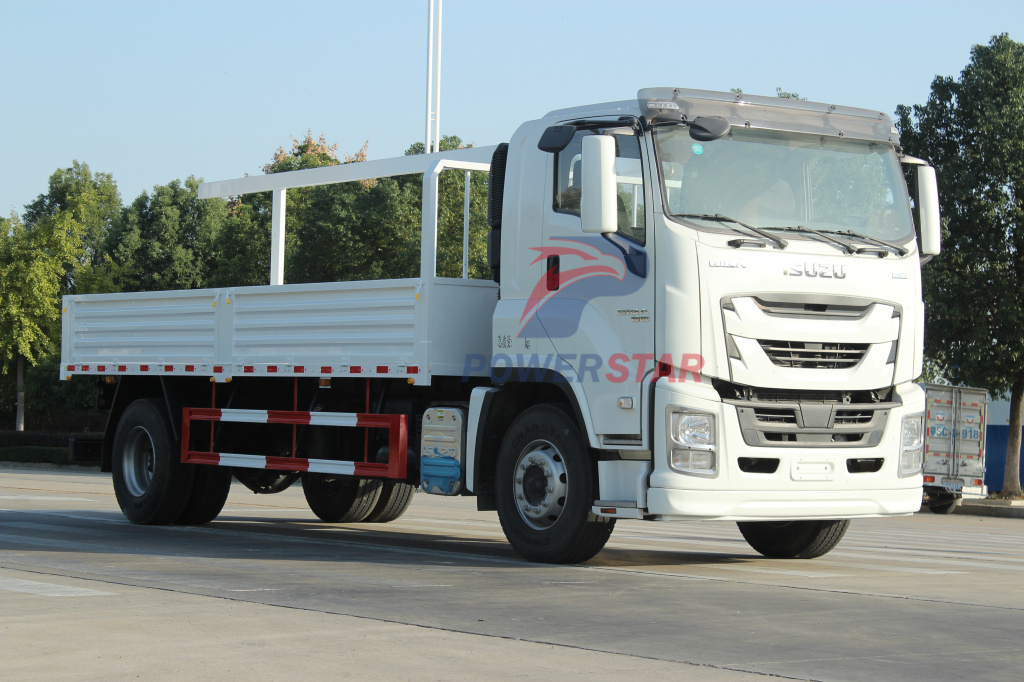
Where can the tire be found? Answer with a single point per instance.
(793, 539)
(942, 504)
(210, 489)
(151, 484)
(545, 489)
(341, 499)
(395, 498)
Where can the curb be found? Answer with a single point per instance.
(1007, 509)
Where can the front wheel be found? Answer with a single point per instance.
(545, 485)
(793, 539)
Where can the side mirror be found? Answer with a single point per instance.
(598, 207)
(928, 202)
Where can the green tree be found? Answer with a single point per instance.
(243, 244)
(32, 268)
(353, 231)
(166, 240)
(972, 130)
(243, 248)
(782, 94)
(93, 202)
(451, 211)
(92, 199)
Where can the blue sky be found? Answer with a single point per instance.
(154, 91)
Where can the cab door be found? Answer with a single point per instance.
(594, 297)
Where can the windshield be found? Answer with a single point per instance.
(767, 180)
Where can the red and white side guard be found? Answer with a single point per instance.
(397, 425)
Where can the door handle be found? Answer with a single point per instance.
(553, 274)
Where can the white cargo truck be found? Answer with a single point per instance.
(704, 306)
(954, 445)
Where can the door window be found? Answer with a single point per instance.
(629, 181)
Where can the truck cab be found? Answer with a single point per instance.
(728, 289)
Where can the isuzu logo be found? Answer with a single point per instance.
(819, 270)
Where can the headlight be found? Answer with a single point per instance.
(693, 428)
(912, 446)
(692, 449)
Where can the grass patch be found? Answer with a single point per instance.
(34, 454)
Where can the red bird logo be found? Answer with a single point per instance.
(553, 308)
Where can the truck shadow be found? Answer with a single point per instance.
(274, 539)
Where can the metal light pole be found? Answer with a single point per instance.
(433, 135)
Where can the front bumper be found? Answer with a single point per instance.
(776, 505)
(789, 493)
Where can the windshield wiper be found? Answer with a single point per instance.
(718, 217)
(871, 240)
(846, 246)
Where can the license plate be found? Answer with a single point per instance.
(812, 470)
(952, 484)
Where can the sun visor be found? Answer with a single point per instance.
(767, 113)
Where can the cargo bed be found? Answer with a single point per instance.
(367, 329)
(377, 328)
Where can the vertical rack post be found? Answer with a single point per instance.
(465, 229)
(277, 237)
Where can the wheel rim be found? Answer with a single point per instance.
(540, 484)
(138, 461)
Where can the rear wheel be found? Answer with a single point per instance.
(340, 499)
(545, 489)
(151, 484)
(210, 489)
(793, 539)
(395, 498)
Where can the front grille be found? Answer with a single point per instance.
(773, 416)
(809, 438)
(813, 307)
(853, 416)
(808, 355)
(781, 417)
(811, 424)
(739, 393)
(786, 395)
